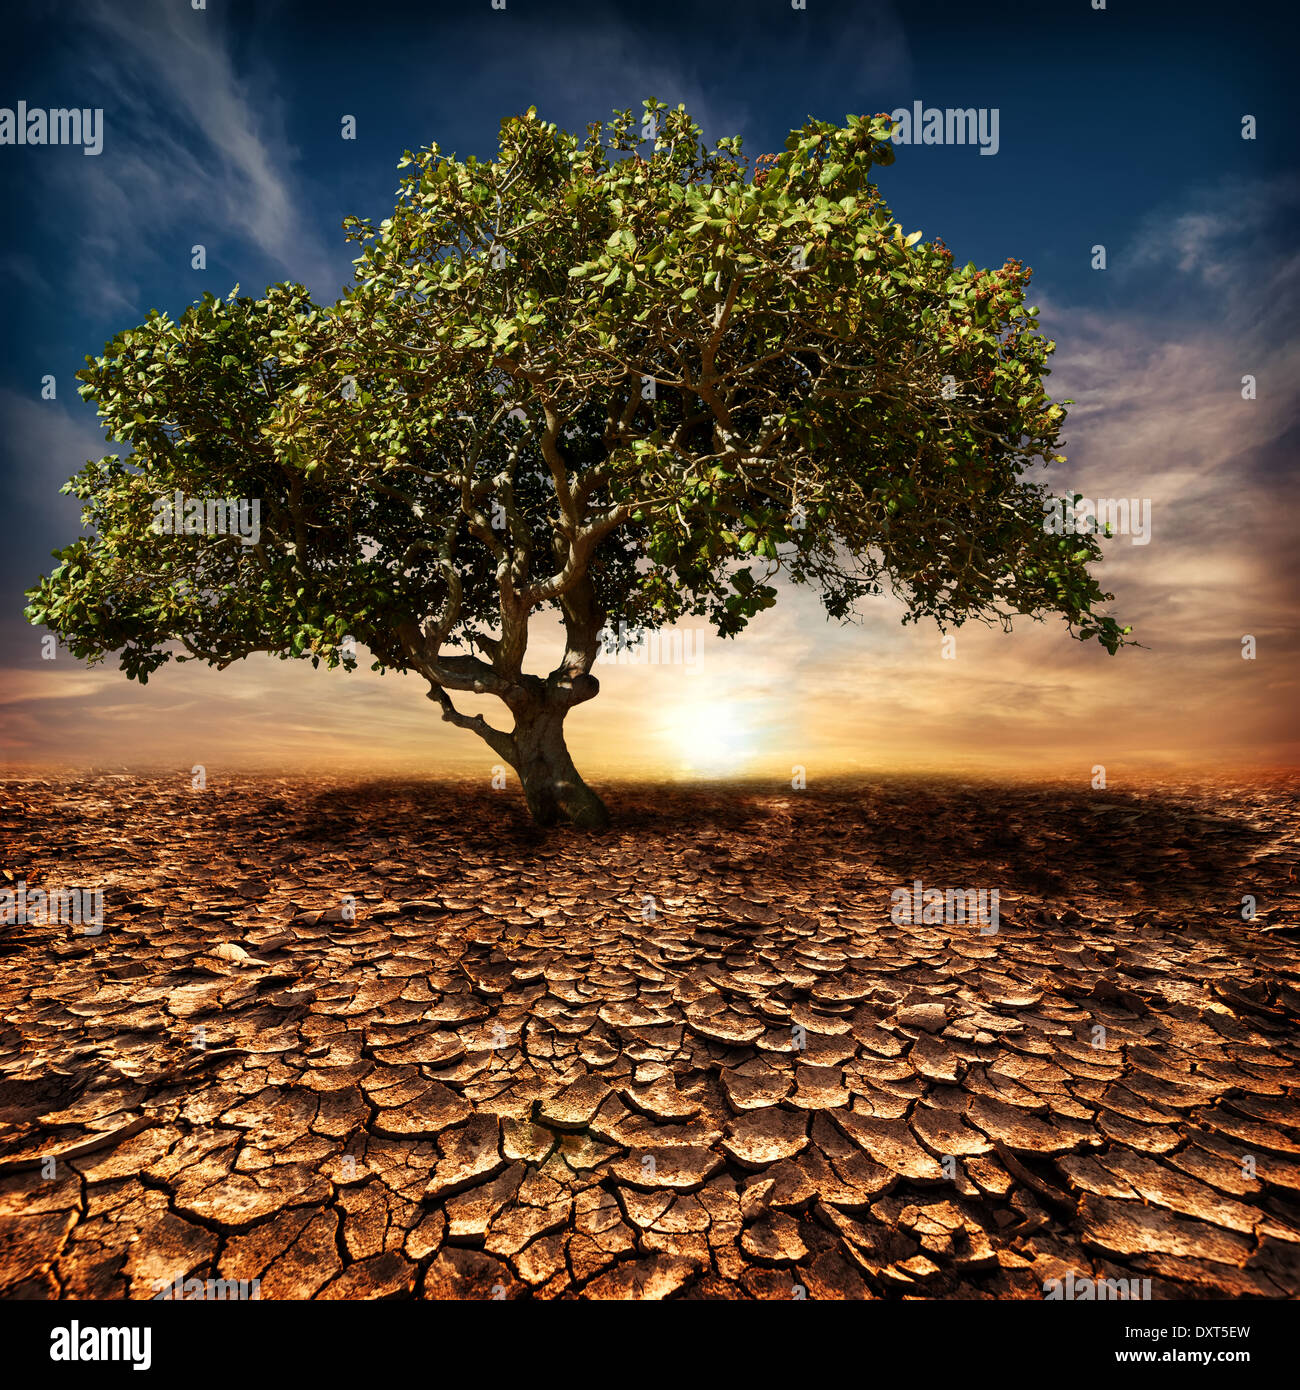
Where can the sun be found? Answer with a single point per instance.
(708, 736)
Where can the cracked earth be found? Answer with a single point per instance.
(693, 1057)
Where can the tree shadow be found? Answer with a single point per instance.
(1161, 847)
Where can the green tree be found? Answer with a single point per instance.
(622, 378)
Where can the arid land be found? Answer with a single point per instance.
(694, 1057)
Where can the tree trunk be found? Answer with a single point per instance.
(552, 787)
(535, 747)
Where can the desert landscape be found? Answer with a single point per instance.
(360, 1040)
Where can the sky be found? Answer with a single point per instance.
(1120, 127)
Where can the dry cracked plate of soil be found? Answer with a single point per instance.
(384, 1040)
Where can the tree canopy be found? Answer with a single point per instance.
(627, 376)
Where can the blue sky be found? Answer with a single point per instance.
(1120, 127)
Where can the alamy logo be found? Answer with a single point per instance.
(1112, 516)
(640, 646)
(77, 1343)
(930, 906)
(65, 906)
(60, 126)
(1095, 1290)
(221, 1290)
(928, 125)
(178, 515)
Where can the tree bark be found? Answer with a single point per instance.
(552, 787)
(535, 747)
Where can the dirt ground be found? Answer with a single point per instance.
(693, 1057)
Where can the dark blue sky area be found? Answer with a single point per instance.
(1103, 115)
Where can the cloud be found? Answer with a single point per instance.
(191, 145)
(1229, 238)
(45, 446)
(619, 62)
(1159, 409)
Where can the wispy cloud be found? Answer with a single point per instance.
(47, 446)
(594, 68)
(195, 152)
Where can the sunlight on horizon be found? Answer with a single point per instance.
(708, 734)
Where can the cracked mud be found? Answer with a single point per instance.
(693, 1057)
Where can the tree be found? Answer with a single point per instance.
(627, 375)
